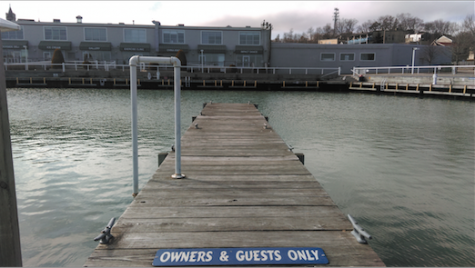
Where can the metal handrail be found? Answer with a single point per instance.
(133, 63)
(107, 66)
(407, 69)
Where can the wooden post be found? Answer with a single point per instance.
(10, 250)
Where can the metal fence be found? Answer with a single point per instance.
(108, 66)
(432, 69)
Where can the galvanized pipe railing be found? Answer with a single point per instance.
(133, 63)
(408, 69)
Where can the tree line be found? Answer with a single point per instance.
(462, 34)
(403, 21)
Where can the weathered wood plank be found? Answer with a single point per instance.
(189, 183)
(321, 200)
(232, 212)
(239, 177)
(231, 224)
(249, 159)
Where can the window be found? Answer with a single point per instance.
(96, 55)
(55, 33)
(135, 36)
(95, 34)
(13, 35)
(367, 56)
(327, 57)
(347, 56)
(47, 55)
(173, 36)
(212, 59)
(212, 38)
(249, 38)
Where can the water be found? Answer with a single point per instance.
(402, 166)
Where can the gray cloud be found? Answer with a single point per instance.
(300, 22)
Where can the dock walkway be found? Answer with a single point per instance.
(243, 188)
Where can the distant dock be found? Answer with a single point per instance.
(244, 188)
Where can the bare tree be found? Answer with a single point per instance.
(430, 53)
(462, 44)
(364, 27)
(288, 37)
(311, 35)
(441, 27)
(407, 22)
(469, 24)
(387, 22)
(350, 25)
(327, 31)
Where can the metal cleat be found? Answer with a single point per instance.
(105, 235)
(358, 231)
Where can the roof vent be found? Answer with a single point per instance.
(181, 25)
(56, 20)
(121, 23)
(79, 18)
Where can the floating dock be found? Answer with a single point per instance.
(244, 188)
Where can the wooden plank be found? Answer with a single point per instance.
(146, 200)
(240, 177)
(249, 159)
(232, 194)
(191, 184)
(232, 212)
(314, 223)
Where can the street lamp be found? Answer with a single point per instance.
(26, 57)
(202, 61)
(413, 56)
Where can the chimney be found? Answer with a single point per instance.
(79, 18)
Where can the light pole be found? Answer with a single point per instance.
(26, 57)
(202, 60)
(413, 56)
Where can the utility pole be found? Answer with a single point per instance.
(10, 250)
(336, 16)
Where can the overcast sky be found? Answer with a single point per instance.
(284, 15)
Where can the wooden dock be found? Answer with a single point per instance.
(243, 188)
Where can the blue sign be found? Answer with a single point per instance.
(239, 256)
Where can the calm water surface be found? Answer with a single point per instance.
(402, 166)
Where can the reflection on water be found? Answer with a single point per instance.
(403, 167)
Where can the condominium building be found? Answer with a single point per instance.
(219, 46)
